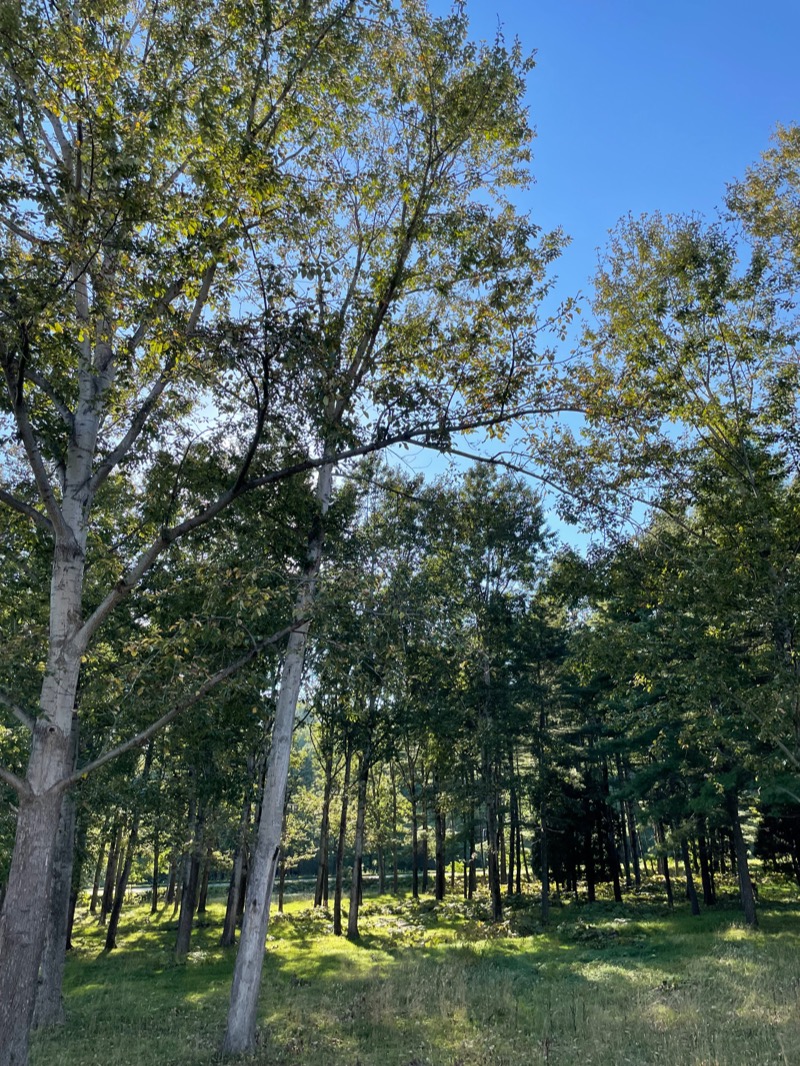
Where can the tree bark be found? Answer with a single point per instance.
(340, 846)
(746, 893)
(441, 871)
(49, 1009)
(237, 875)
(691, 892)
(107, 899)
(98, 870)
(241, 1028)
(190, 888)
(321, 887)
(358, 850)
(156, 856)
(706, 878)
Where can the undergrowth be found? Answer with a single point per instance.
(432, 984)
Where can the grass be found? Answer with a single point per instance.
(438, 985)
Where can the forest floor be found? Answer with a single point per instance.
(437, 985)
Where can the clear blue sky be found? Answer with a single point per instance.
(639, 107)
(644, 106)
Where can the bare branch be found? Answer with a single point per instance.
(429, 435)
(19, 712)
(207, 686)
(16, 504)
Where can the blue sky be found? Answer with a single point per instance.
(641, 107)
(644, 106)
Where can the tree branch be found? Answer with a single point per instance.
(426, 435)
(19, 712)
(14, 383)
(21, 787)
(66, 415)
(20, 506)
(139, 421)
(207, 686)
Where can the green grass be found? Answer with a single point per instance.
(431, 985)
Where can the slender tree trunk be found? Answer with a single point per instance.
(98, 871)
(202, 897)
(512, 838)
(361, 810)
(425, 858)
(611, 842)
(441, 869)
(156, 856)
(472, 881)
(524, 855)
(691, 893)
(746, 892)
(663, 861)
(395, 874)
(321, 888)
(173, 881)
(340, 846)
(107, 901)
(190, 888)
(121, 887)
(78, 862)
(589, 850)
(709, 896)
(237, 876)
(240, 1035)
(414, 843)
(492, 833)
(125, 873)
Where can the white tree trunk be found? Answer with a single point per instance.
(242, 1013)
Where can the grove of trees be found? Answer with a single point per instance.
(245, 249)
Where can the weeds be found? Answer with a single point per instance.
(437, 985)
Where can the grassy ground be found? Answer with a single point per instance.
(437, 985)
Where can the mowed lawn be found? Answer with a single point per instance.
(438, 985)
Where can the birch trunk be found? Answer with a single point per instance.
(242, 1014)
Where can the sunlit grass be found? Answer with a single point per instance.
(430, 985)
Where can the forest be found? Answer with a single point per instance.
(264, 682)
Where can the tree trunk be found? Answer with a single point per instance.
(358, 850)
(202, 898)
(472, 881)
(607, 819)
(691, 893)
(340, 846)
(237, 874)
(190, 889)
(746, 892)
(107, 900)
(424, 841)
(321, 888)
(663, 861)
(492, 832)
(395, 874)
(414, 843)
(441, 871)
(709, 896)
(173, 882)
(241, 1029)
(49, 1009)
(156, 856)
(98, 870)
(122, 883)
